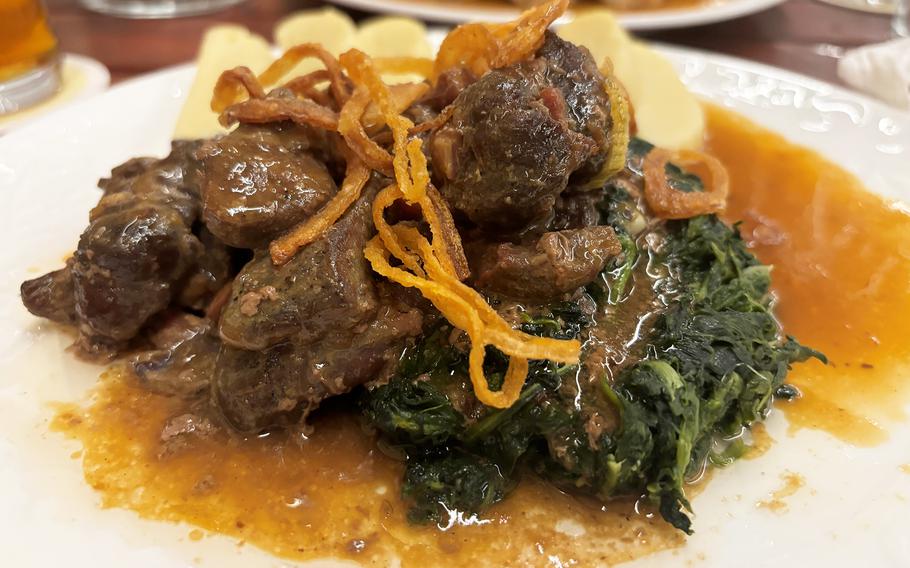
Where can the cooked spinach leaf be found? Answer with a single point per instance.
(446, 482)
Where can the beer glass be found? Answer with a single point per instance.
(29, 62)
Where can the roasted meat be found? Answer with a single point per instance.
(128, 267)
(557, 263)
(138, 255)
(520, 134)
(260, 181)
(326, 287)
(282, 384)
(183, 359)
(51, 296)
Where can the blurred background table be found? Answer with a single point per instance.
(801, 35)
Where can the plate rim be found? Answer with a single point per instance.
(634, 21)
(767, 69)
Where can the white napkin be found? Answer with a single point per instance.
(882, 70)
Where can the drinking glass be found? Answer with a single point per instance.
(154, 9)
(29, 61)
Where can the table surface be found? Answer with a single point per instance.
(801, 35)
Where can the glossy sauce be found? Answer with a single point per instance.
(841, 287)
(334, 494)
(841, 274)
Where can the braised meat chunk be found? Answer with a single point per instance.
(259, 181)
(51, 296)
(519, 134)
(183, 359)
(327, 286)
(141, 252)
(128, 267)
(575, 210)
(366, 353)
(211, 272)
(448, 86)
(256, 390)
(559, 262)
(573, 71)
(172, 182)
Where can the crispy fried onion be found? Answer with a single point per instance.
(437, 267)
(260, 111)
(235, 84)
(361, 113)
(351, 129)
(403, 96)
(669, 203)
(409, 163)
(481, 47)
(436, 122)
(338, 84)
(305, 86)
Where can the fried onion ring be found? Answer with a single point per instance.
(403, 96)
(435, 122)
(527, 33)
(232, 85)
(459, 304)
(669, 203)
(305, 86)
(351, 129)
(481, 47)
(339, 85)
(620, 132)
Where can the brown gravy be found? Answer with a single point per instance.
(842, 261)
(334, 495)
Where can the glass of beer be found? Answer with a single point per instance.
(29, 62)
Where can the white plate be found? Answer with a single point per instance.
(854, 515)
(457, 11)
